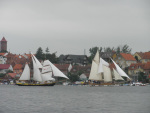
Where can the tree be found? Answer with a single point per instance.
(47, 50)
(39, 54)
(123, 49)
(73, 77)
(93, 52)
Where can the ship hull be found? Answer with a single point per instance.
(32, 84)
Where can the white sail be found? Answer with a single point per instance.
(39, 65)
(36, 72)
(96, 58)
(26, 73)
(57, 72)
(46, 71)
(107, 74)
(94, 72)
(101, 63)
(116, 75)
(120, 71)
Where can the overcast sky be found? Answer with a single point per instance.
(70, 26)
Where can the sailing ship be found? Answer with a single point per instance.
(42, 75)
(101, 73)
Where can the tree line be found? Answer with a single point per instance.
(41, 55)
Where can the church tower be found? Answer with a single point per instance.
(3, 45)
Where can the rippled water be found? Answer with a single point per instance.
(74, 99)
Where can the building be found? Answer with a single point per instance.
(3, 45)
(107, 55)
(142, 57)
(125, 60)
(4, 68)
(73, 59)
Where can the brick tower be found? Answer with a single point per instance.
(3, 45)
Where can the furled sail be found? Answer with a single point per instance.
(107, 74)
(94, 75)
(46, 71)
(57, 72)
(116, 75)
(36, 72)
(26, 73)
(120, 71)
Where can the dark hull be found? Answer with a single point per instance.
(31, 84)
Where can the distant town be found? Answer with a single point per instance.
(76, 67)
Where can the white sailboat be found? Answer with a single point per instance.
(99, 70)
(41, 78)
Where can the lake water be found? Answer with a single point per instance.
(74, 99)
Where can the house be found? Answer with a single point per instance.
(4, 68)
(73, 59)
(138, 56)
(147, 68)
(134, 69)
(146, 57)
(142, 57)
(107, 55)
(18, 69)
(125, 60)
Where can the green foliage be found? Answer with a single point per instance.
(2, 74)
(43, 56)
(39, 54)
(73, 77)
(93, 52)
(141, 77)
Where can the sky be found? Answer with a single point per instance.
(74, 26)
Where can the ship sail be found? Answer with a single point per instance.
(46, 71)
(102, 62)
(94, 75)
(116, 75)
(120, 71)
(107, 74)
(26, 73)
(56, 71)
(36, 72)
(39, 65)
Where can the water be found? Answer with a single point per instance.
(74, 99)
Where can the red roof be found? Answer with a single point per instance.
(147, 66)
(12, 75)
(2, 54)
(4, 66)
(140, 54)
(146, 55)
(18, 66)
(136, 66)
(128, 56)
(3, 39)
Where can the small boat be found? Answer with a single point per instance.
(43, 75)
